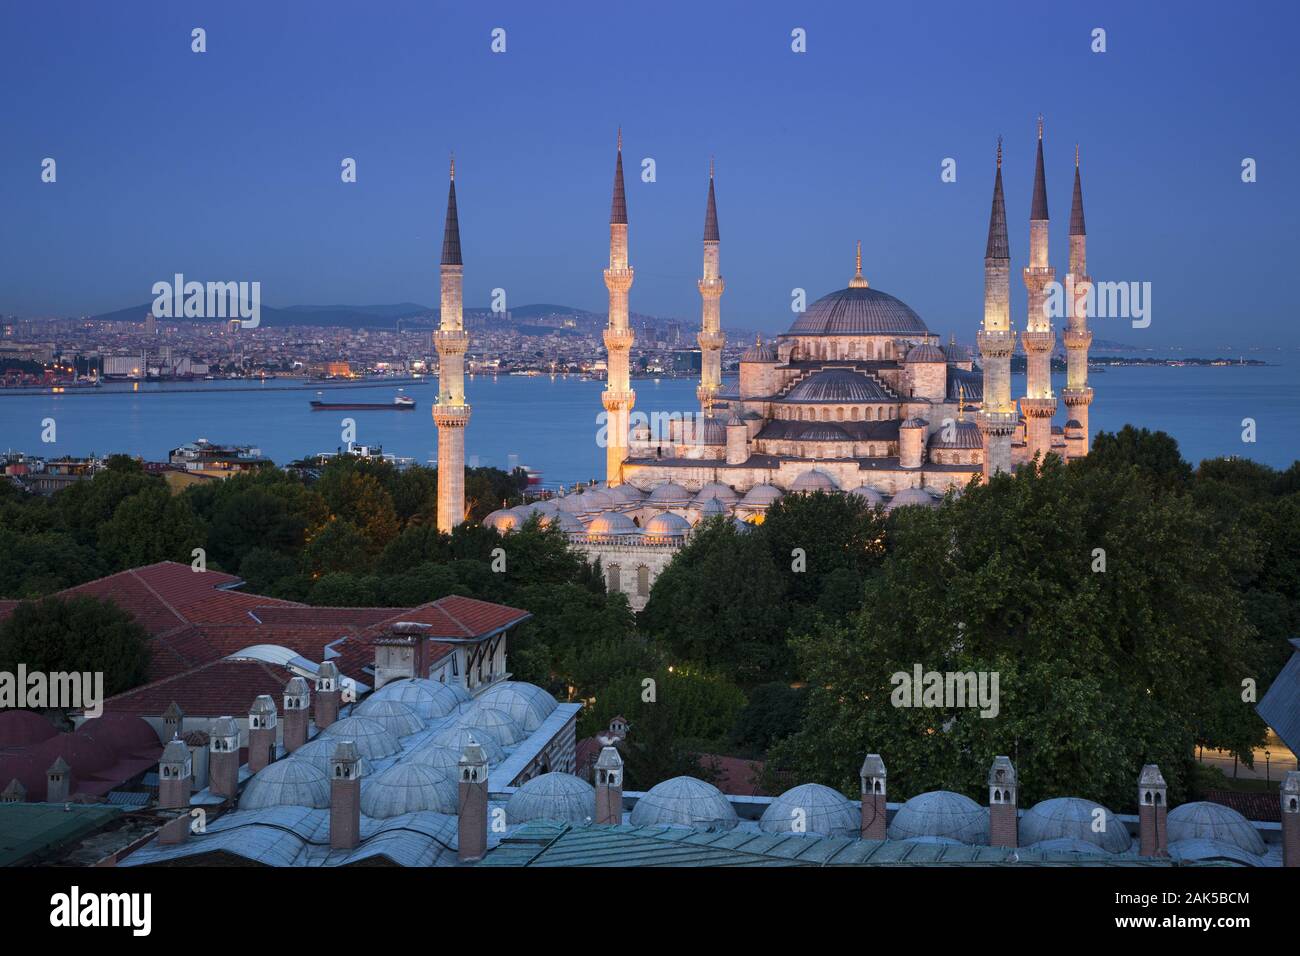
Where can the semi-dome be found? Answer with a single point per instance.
(400, 719)
(941, 813)
(911, 496)
(870, 494)
(758, 352)
(612, 522)
(964, 435)
(287, 783)
(814, 480)
(459, 737)
(716, 489)
(1067, 845)
(684, 801)
(526, 703)
(669, 494)
(500, 724)
(812, 808)
(372, 738)
(1204, 851)
(837, 385)
(761, 496)
(1213, 821)
(552, 796)
(428, 698)
(435, 757)
(858, 311)
(666, 524)
(408, 788)
(925, 352)
(1076, 818)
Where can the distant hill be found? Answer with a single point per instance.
(364, 316)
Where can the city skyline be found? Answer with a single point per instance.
(811, 156)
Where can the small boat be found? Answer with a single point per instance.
(402, 403)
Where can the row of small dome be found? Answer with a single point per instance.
(423, 778)
(714, 498)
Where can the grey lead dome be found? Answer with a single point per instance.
(858, 311)
(552, 796)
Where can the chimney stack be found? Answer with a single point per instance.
(609, 787)
(1004, 828)
(297, 698)
(175, 831)
(473, 805)
(174, 721)
(1153, 837)
(15, 792)
(261, 733)
(328, 692)
(874, 811)
(345, 796)
(58, 781)
(223, 757)
(1291, 819)
(175, 776)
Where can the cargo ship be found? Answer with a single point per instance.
(402, 403)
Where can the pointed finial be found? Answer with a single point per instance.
(1040, 125)
(1076, 155)
(710, 167)
(620, 139)
(858, 267)
(758, 338)
(453, 167)
(858, 282)
(999, 152)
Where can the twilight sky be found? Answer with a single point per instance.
(225, 165)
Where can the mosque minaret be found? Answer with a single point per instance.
(711, 337)
(1077, 395)
(451, 414)
(858, 396)
(1039, 404)
(996, 339)
(618, 397)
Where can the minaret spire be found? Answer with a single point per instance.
(451, 413)
(711, 286)
(1039, 404)
(618, 397)
(996, 339)
(1077, 396)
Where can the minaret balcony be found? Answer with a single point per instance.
(1077, 338)
(712, 288)
(1038, 341)
(618, 280)
(618, 340)
(1038, 407)
(998, 422)
(996, 344)
(711, 339)
(1076, 396)
(451, 341)
(450, 416)
(617, 400)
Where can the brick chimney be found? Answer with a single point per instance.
(261, 733)
(345, 796)
(15, 792)
(174, 721)
(874, 811)
(175, 776)
(1004, 828)
(329, 690)
(609, 787)
(297, 698)
(58, 781)
(176, 830)
(473, 806)
(1153, 836)
(223, 757)
(1291, 819)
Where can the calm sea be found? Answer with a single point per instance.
(551, 424)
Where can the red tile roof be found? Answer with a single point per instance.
(1253, 806)
(217, 689)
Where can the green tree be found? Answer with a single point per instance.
(76, 634)
(149, 526)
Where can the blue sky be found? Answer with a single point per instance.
(225, 165)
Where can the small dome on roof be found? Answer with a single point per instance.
(572, 504)
(597, 500)
(527, 703)
(814, 480)
(761, 496)
(501, 725)
(552, 796)
(963, 435)
(716, 489)
(612, 522)
(428, 698)
(1213, 821)
(869, 493)
(565, 521)
(316, 751)
(957, 354)
(925, 352)
(684, 801)
(435, 757)
(400, 719)
(711, 507)
(507, 519)
(626, 494)
(407, 788)
(911, 496)
(669, 493)
(666, 524)
(459, 737)
(287, 783)
(913, 422)
(735, 421)
(710, 430)
(1073, 817)
(758, 352)
(1203, 851)
(837, 385)
(941, 813)
(1067, 845)
(812, 808)
(373, 739)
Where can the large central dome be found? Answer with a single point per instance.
(858, 311)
